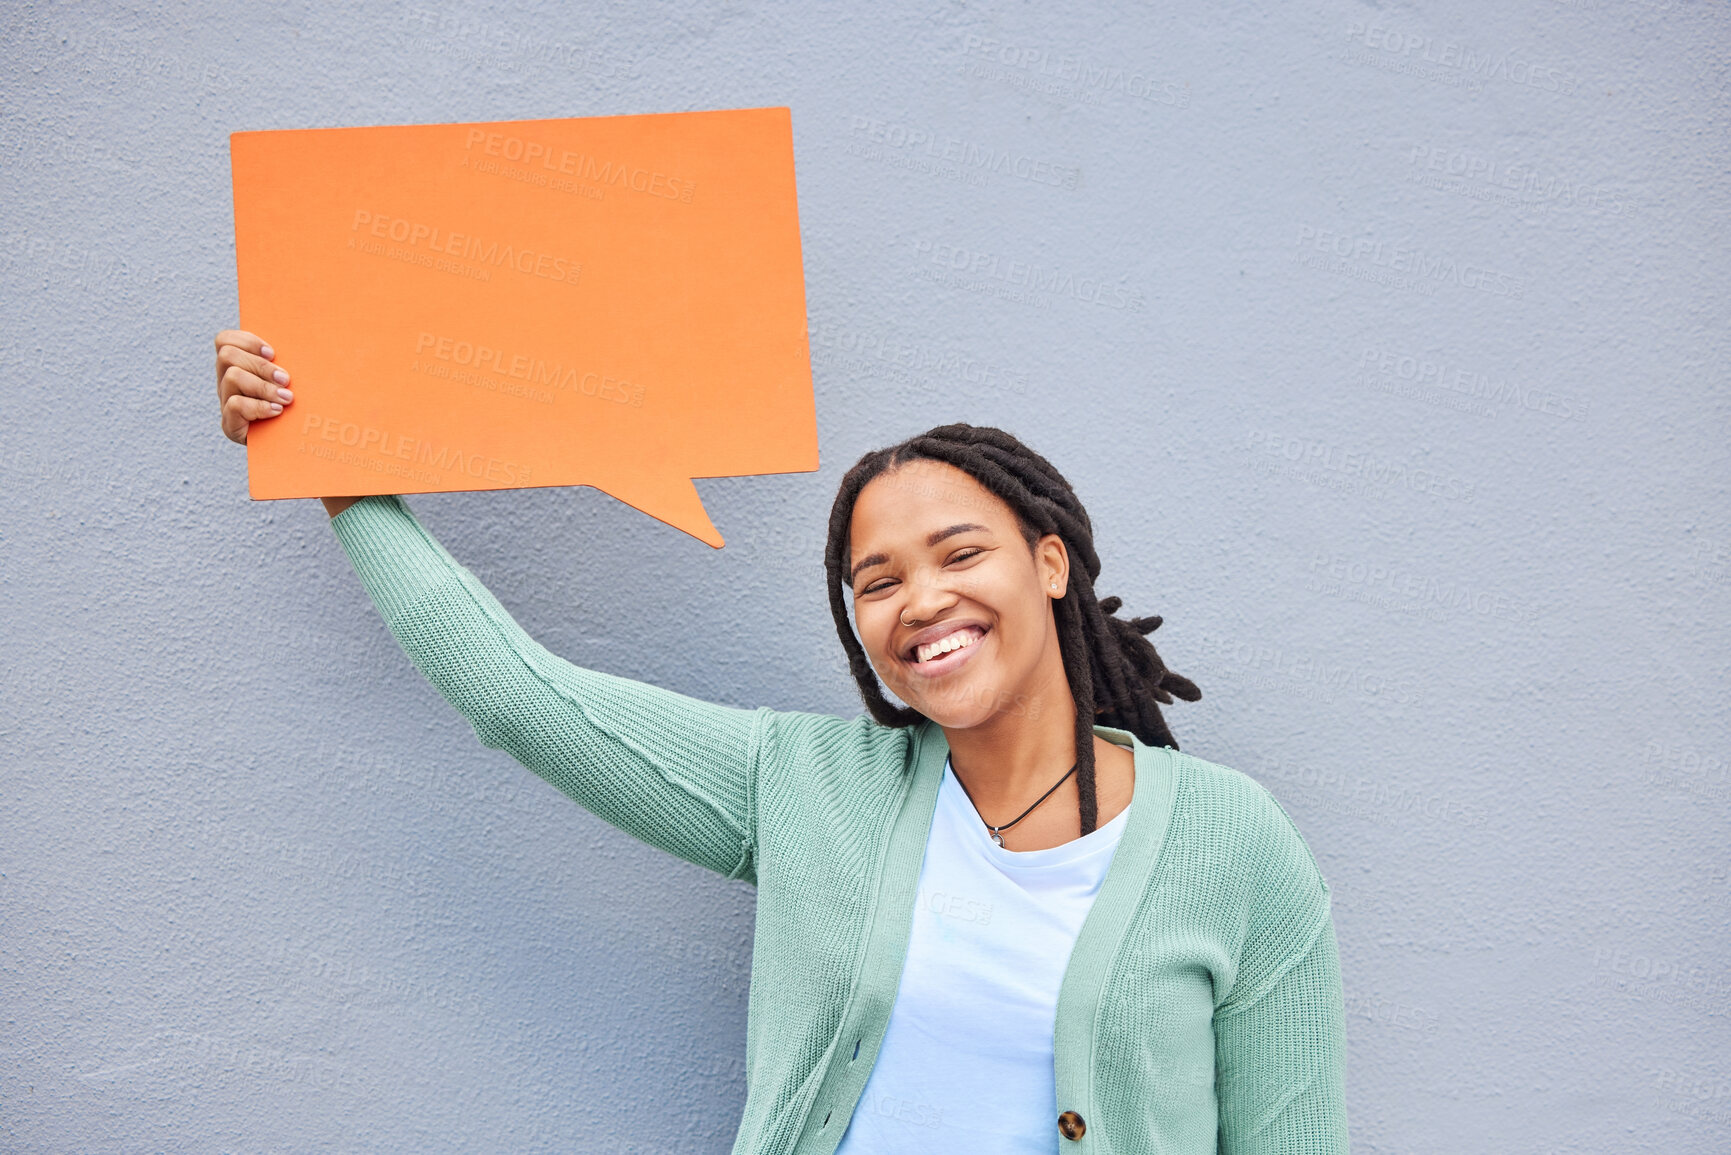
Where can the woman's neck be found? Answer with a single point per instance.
(1024, 748)
(1016, 755)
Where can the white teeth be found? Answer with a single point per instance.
(944, 645)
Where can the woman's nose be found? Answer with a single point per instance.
(927, 598)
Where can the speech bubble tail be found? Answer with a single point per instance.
(672, 500)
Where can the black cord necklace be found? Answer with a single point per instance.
(997, 835)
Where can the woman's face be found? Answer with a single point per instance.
(953, 607)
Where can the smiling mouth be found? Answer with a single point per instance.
(935, 652)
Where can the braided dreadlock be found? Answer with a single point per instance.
(1113, 671)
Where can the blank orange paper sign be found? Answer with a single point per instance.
(610, 301)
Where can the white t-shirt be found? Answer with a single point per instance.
(966, 1062)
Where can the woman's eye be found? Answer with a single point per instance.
(883, 584)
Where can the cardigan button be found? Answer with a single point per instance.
(1071, 1126)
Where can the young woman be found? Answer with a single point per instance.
(1008, 916)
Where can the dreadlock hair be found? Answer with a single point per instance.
(1114, 673)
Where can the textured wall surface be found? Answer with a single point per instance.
(1386, 343)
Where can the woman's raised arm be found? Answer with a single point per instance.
(673, 771)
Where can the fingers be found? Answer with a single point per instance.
(240, 410)
(242, 339)
(240, 371)
(249, 385)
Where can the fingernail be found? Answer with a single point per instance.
(279, 377)
(285, 395)
(275, 408)
(267, 353)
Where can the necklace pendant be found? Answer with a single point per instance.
(998, 838)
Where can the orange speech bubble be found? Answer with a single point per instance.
(609, 301)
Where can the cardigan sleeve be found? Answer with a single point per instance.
(673, 771)
(1280, 1061)
(1280, 1032)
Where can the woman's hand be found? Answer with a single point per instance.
(250, 387)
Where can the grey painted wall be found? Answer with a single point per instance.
(1405, 404)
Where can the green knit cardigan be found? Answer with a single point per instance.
(1201, 1008)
